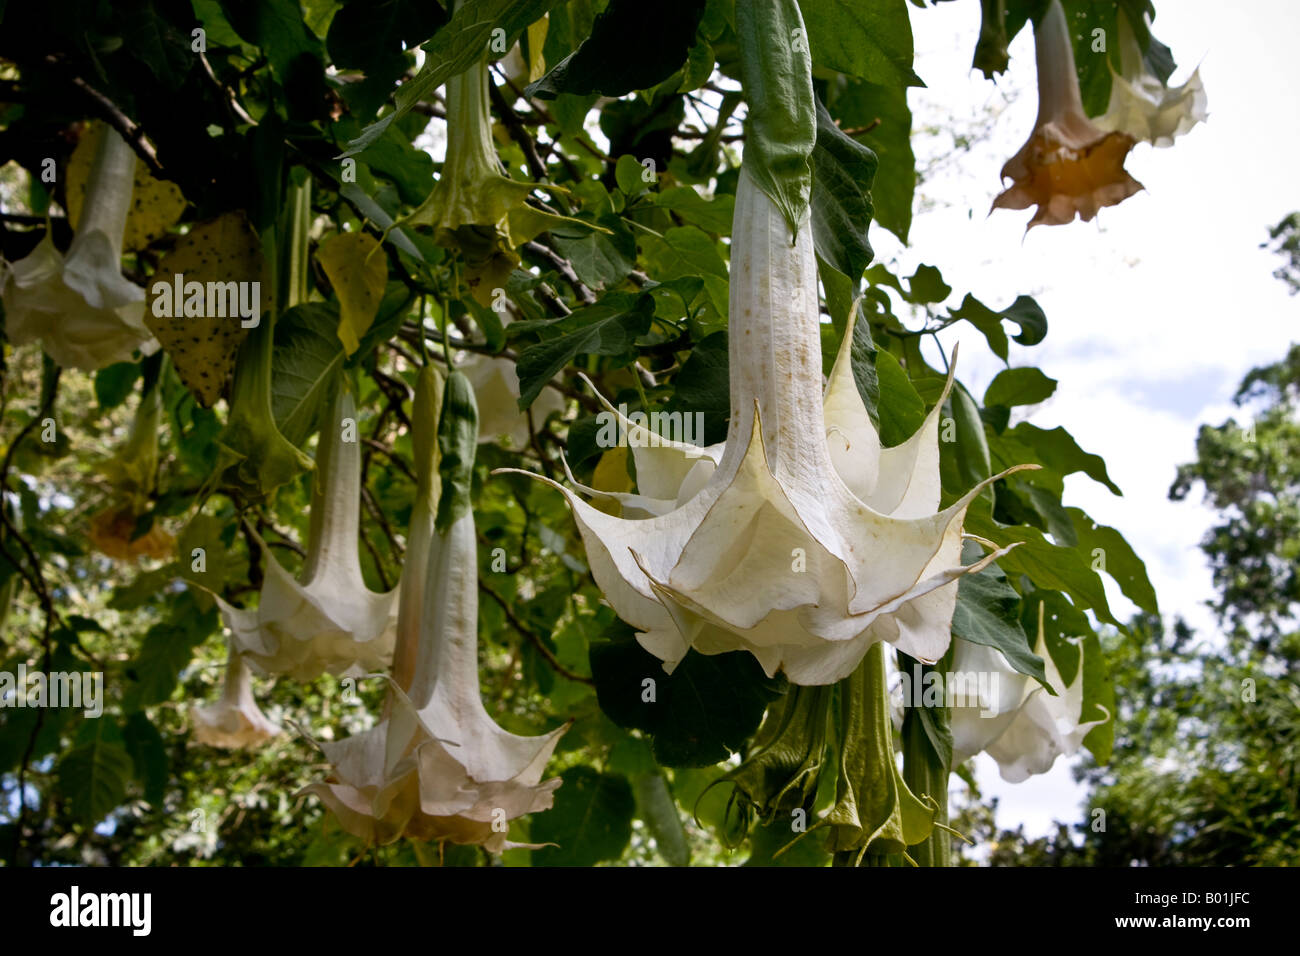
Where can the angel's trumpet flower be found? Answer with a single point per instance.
(85, 314)
(1020, 725)
(438, 767)
(234, 720)
(1069, 166)
(133, 473)
(777, 553)
(1144, 107)
(326, 620)
(474, 206)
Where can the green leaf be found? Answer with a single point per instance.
(148, 755)
(590, 821)
(1025, 312)
(703, 386)
(1107, 546)
(963, 462)
(882, 116)
(607, 64)
(781, 127)
(713, 215)
(683, 251)
(863, 356)
(843, 171)
(698, 715)
(600, 260)
(988, 613)
(656, 806)
(114, 383)
(610, 327)
(373, 35)
(93, 775)
(868, 39)
(901, 409)
(305, 364)
(155, 671)
(1019, 386)
(453, 50)
(1054, 448)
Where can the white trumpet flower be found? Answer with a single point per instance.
(496, 388)
(235, 720)
(81, 309)
(326, 620)
(1069, 166)
(1019, 724)
(777, 553)
(437, 767)
(1144, 107)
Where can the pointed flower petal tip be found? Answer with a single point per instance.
(438, 767)
(326, 620)
(1069, 166)
(808, 542)
(80, 308)
(1144, 107)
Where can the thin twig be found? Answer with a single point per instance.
(533, 638)
(130, 130)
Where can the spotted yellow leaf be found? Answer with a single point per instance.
(156, 204)
(200, 317)
(358, 271)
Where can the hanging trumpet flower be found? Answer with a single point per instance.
(1020, 725)
(473, 206)
(1069, 166)
(233, 721)
(132, 474)
(777, 553)
(81, 309)
(326, 620)
(1144, 107)
(438, 767)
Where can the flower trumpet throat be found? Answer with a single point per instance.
(807, 543)
(326, 620)
(81, 309)
(1069, 166)
(438, 767)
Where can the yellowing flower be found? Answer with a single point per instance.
(234, 721)
(777, 553)
(1069, 166)
(437, 767)
(1145, 108)
(1018, 723)
(81, 309)
(326, 620)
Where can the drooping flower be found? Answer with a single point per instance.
(1069, 166)
(1142, 106)
(474, 207)
(83, 311)
(777, 552)
(437, 767)
(326, 620)
(234, 721)
(133, 476)
(1017, 722)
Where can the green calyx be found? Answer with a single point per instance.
(457, 443)
(875, 815)
(782, 773)
(781, 126)
(991, 56)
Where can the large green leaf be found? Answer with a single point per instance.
(881, 120)
(1025, 312)
(1019, 386)
(607, 64)
(868, 39)
(1107, 547)
(843, 170)
(1055, 449)
(901, 409)
(590, 821)
(304, 368)
(94, 774)
(610, 327)
(699, 715)
(988, 613)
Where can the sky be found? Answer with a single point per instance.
(1155, 310)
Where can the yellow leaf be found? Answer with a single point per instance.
(611, 475)
(203, 347)
(156, 204)
(537, 40)
(358, 271)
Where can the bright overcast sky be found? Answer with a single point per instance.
(1155, 310)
